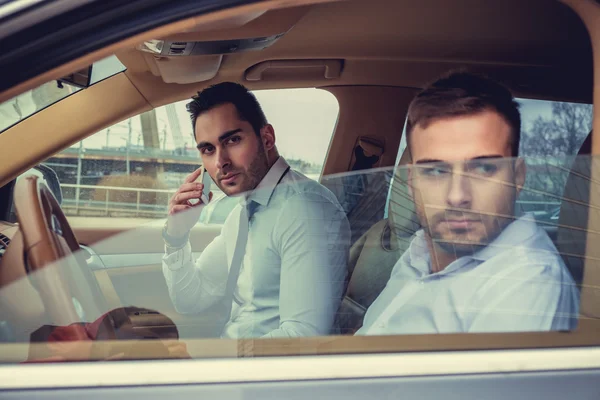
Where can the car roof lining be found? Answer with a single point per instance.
(396, 46)
(394, 37)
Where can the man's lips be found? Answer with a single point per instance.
(229, 179)
(460, 223)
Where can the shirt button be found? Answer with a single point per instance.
(381, 325)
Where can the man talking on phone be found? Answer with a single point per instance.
(279, 265)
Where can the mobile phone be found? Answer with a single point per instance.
(207, 181)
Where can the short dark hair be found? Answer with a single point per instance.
(464, 93)
(245, 102)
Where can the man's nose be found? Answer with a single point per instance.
(223, 160)
(459, 190)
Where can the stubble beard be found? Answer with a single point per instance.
(255, 173)
(463, 247)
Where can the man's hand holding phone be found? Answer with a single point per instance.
(186, 204)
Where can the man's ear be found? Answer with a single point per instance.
(520, 174)
(267, 135)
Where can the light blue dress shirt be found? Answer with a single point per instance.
(293, 272)
(516, 283)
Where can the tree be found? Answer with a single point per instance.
(550, 146)
(561, 135)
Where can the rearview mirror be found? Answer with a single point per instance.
(94, 73)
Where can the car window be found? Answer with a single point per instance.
(129, 170)
(552, 135)
(374, 282)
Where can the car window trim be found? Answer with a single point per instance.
(41, 10)
(13, 7)
(287, 369)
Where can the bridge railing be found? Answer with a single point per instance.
(105, 207)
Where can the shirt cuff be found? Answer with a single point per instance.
(176, 259)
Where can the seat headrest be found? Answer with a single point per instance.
(402, 218)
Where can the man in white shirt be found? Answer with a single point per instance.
(473, 267)
(279, 264)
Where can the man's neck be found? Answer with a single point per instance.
(272, 157)
(263, 186)
(439, 259)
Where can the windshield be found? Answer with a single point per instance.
(24, 105)
(27, 104)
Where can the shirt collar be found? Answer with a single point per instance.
(419, 253)
(263, 192)
(516, 233)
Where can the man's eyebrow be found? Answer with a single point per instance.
(429, 160)
(492, 156)
(486, 157)
(224, 136)
(228, 134)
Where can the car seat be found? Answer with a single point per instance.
(374, 254)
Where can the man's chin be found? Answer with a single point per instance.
(458, 248)
(461, 244)
(232, 191)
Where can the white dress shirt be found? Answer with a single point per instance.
(516, 283)
(293, 272)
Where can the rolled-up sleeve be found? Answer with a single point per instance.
(312, 234)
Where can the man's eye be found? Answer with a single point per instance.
(233, 140)
(207, 150)
(484, 169)
(434, 171)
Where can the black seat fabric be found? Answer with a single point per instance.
(574, 235)
(374, 254)
(574, 212)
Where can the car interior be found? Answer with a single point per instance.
(373, 56)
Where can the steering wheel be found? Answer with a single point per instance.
(48, 239)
